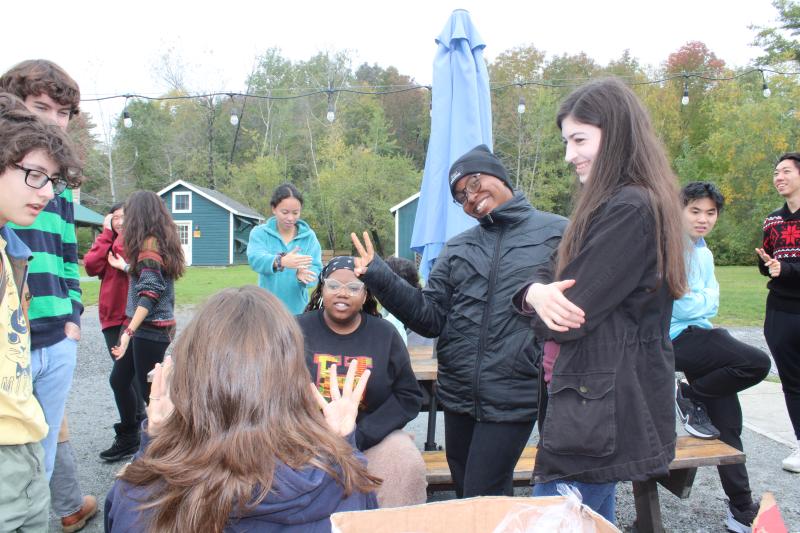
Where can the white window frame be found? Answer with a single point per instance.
(182, 193)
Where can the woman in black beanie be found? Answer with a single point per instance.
(486, 351)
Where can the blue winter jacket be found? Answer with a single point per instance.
(300, 501)
(266, 243)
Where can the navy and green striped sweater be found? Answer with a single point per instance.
(53, 277)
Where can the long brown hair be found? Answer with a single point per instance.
(629, 154)
(243, 403)
(147, 218)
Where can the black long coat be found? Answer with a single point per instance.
(610, 412)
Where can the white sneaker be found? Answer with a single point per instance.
(792, 463)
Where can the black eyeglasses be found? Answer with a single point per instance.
(37, 179)
(473, 186)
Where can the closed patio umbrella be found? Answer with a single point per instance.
(461, 119)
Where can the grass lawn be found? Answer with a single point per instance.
(194, 287)
(743, 290)
(743, 294)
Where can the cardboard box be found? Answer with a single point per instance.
(472, 515)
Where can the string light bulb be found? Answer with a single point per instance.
(331, 115)
(234, 117)
(521, 105)
(685, 99)
(126, 117)
(764, 87)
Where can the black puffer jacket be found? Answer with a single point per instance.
(487, 353)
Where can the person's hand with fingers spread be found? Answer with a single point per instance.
(160, 406)
(295, 260)
(771, 263)
(553, 308)
(365, 254)
(340, 413)
(305, 275)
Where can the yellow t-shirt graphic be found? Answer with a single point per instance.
(21, 417)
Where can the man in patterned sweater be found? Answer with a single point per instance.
(55, 311)
(780, 260)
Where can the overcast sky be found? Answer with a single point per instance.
(111, 47)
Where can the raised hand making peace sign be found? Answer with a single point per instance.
(365, 255)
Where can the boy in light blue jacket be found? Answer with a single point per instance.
(716, 365)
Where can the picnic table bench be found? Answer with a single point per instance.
(690, 454)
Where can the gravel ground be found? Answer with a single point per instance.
(92, 414)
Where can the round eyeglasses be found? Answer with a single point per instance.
(353, 288)
(473, 186)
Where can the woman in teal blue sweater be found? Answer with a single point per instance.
(285, 251)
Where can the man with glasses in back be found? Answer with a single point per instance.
(487, 378)
(55, 311)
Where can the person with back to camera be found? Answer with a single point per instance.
(342, 324)
(156, 260)
(285, 252)
(112, 301)
(238, 437)
(608, 369)
(716, 365)
(779, 259)
(487, 356)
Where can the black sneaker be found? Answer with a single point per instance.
(740, 520)
(693, 415)
(126, 443)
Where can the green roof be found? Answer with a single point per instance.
(84, 215)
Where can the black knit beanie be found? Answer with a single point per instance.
(478, 160)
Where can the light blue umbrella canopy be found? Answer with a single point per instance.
(461, 118)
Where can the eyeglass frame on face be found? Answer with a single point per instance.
(59, 183)
(351, 291)
(473, 186)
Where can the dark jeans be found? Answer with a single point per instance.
(482, 455)
(129, 400)
(782, 331)
(717, 367)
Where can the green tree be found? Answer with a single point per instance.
(781, 42)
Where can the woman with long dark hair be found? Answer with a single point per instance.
(111, 307)
(152, 246)
(284, 251)
(245, 447)
(342, 324)
(608, 363)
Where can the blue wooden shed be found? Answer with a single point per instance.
(213, 228)
(404, 214)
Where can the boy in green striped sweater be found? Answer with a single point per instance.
(53, 278)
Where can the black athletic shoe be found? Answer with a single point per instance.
(740, 520)
(126, 443)
(693, 415)
(121, 449)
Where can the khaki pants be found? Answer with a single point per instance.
(24, 494)
(399, 463)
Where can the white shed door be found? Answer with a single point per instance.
(185, 236)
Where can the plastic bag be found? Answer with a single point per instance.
(566, 517)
